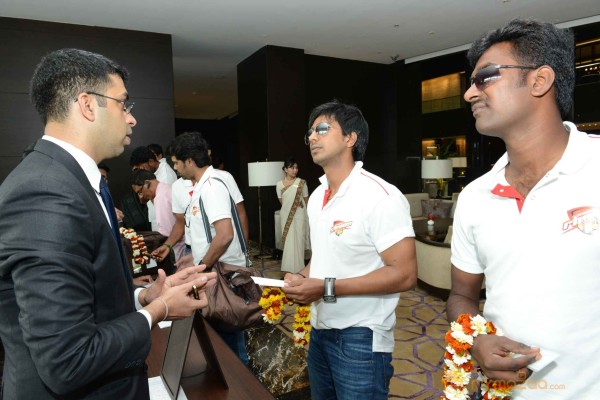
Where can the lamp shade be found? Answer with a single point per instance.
(265, 173)
(436, 169)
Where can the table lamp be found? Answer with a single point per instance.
(438, 170)
(263, 173)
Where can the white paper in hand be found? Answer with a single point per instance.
(267, 282)
(547, 357)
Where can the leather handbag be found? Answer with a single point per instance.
(233, 300)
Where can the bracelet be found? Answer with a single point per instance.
(459, 363)
(166, 308)
(168, 245)
(298, 273)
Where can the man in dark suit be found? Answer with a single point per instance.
(68, 317)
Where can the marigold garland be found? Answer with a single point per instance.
(459, 364)
(138, 247)
(273, 301)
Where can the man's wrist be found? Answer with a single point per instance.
(142, 297)
(329, 291)
(168, 246)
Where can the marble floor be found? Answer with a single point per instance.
(419, 334)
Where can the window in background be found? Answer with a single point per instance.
(442, 93)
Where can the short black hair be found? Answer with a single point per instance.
(190, 145)
(155, 148)
(350, 119)
(139, 176)
(537, 43)
(103, 166)
(140, 155)
(64, 74)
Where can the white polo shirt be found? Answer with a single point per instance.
(164, 173)
(181, 193)
(215, 197)
(365, 217)
(226, 177)
(542, 264)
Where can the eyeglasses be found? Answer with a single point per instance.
(127, 105)
(321, 130)
(488, 75)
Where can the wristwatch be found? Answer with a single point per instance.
(329, 291)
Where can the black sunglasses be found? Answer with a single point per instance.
(488, 75)
(321, 130)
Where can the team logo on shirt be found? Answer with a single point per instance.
(586, 219)
(339, 227)
(195, 210)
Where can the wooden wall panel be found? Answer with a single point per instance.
(147, 56)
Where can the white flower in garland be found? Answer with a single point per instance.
(453, 393)
(458, 363)
(138, 247)
(478, 325)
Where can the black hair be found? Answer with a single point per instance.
(64, 74)
(140, 155)
(190, 145)
(289, 162)
(216, 159)
(103, 166)
(350, 119)
(155, 148)
(537, 43)
(139, 176)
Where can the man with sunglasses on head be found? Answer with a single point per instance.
(68, 319)
(363, 255)
(183, 190)
(212, 232)
(530, 226)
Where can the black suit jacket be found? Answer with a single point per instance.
(67, 314)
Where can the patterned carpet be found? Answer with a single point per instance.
(420, 329)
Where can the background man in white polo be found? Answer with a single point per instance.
(189, 153)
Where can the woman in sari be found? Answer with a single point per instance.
(293, 195)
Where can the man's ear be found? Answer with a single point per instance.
(351, 139)
(543, 81)
(86, 106)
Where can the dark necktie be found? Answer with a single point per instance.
(110, 208)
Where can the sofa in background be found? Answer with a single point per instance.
(433, 257)
(416, 207)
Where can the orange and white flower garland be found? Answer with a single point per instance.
(273, 301)
(138, 247)
(459, 365)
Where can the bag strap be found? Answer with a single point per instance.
(235, 218)
(288, 222)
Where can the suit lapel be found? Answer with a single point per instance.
(62, 156)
